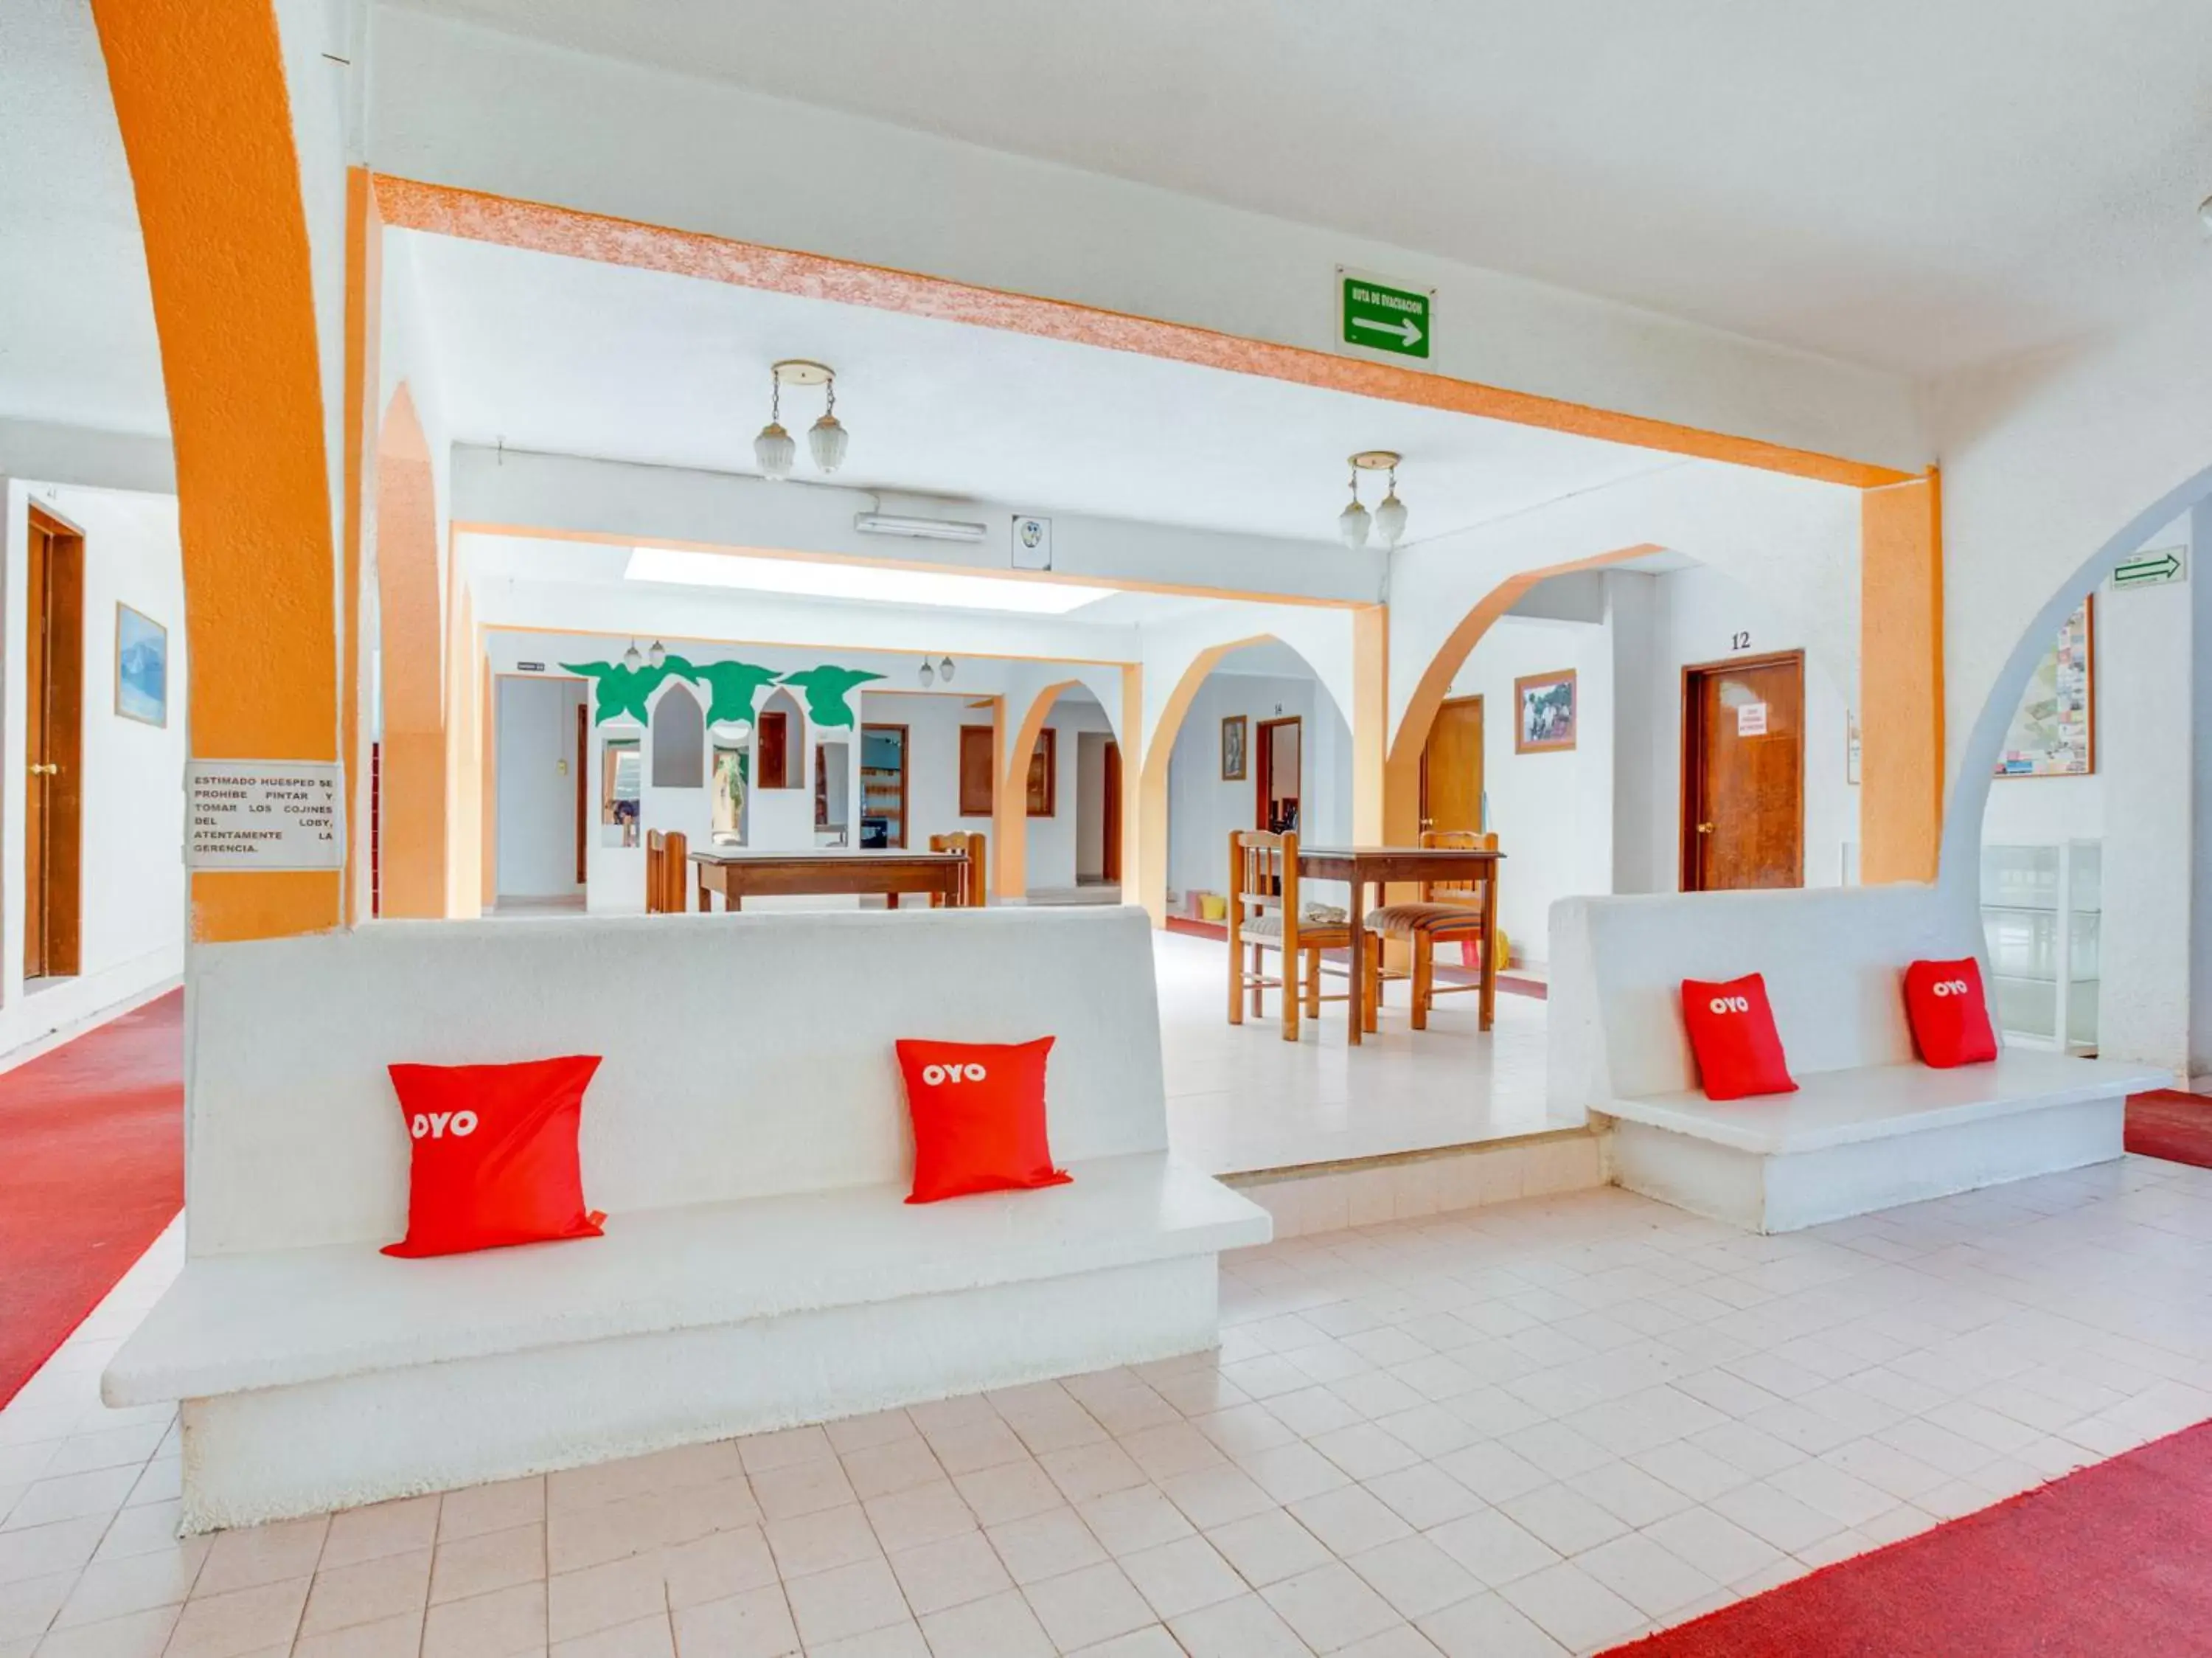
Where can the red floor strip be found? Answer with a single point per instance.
(2113, 1561)
(2169, 1124)
(92, 1167)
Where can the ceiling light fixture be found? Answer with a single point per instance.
(920, 529)
(774, 451)
(633, 659)
(945, 670)
(657, 654)
(928, 674)
(1389, 519)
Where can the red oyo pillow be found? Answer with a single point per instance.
(1950, 1015)
(1732, 1033)
(979, 1117)
(494, 1154)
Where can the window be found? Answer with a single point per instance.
(976, 791)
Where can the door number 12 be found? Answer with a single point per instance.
(1739, 641)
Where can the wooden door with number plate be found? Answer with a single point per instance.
(1743, 773)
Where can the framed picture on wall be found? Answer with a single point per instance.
(1236, 729)
(142, 667)
(2054, 733)
(1544, 712)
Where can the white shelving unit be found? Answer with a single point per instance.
(2040, 917)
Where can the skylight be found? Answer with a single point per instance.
(873, 583)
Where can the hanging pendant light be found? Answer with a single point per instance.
(1390, 514)
(1352, 522)
(928, 674)
(632, 659)
(825, 438)
(945, 670)
(657, 654)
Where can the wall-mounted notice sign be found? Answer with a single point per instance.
(264, 814)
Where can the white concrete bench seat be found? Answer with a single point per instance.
(1870, 1126)
(746, 1134)
(348, 1311)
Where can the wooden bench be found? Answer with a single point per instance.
(747, 1134)
(1870, 1127)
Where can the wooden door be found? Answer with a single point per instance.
(1743, 774)
(1451, 767)
(1281, 765)
(583, 790)
(1109, 867)
(53, 742)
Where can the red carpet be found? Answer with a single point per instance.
(2169, 1124)
(2112, 1562)
(92, 1167)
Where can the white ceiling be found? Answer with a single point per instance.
(571, 356)
(77, 316)
(1900, 183)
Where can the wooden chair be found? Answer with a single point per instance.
(1450, 911)
(667, 865)
(970, 841)
(1266, 914)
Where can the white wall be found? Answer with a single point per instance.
(132, 898)
(1202, 809)
(536, 751)
(1552, 812)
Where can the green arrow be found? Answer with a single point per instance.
(1408, 329)
(2150, 569)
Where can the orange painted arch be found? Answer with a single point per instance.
(1012, 812)
(540, 227)
(412, 814)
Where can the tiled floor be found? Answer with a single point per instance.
(1240, 1098)
(1540, 1427)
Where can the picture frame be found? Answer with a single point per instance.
(1546, 712)
(1236, 741)
(142, 666)
(2053, 732)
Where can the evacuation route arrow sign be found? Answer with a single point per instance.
(1376, 317)
(2152, 566)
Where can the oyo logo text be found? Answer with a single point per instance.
(937, 1075)
(437, 1125)
(1730, 1004)
(1951, 987)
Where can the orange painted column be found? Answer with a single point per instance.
(206, 123)
(1370, 722)
(1134, 886)
(1011, 803)
(364, 287)
(1901, 680)
(414, 692)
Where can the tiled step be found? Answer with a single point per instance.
(1367, 1190)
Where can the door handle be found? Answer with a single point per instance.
(1706, 828)
(53, 769)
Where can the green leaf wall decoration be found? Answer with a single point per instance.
(731, 685)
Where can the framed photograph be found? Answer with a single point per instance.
(142, 667)
(1235, 730)
(2054, 733)
(1544, 712)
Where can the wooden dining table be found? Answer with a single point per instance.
(1362, 867)
(738, 873)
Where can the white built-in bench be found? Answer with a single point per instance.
(1870, 1127)
(748, 1136)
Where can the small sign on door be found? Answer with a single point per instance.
(1751, 719)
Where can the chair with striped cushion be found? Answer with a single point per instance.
(1266, 914)
(1447, 911)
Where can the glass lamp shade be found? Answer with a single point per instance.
(657, 654)
(928, 674)
(633, 659)
(826, 439)
(1390, 519)
(1352, 525)
(945, 670)
(774, 451)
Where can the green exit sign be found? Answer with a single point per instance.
(1375, 316)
